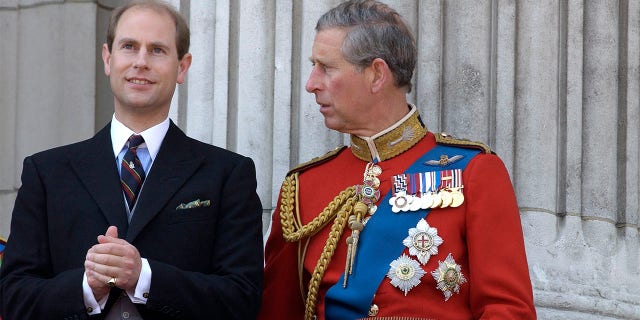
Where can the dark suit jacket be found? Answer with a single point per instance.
(206, 262)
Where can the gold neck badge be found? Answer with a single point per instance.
(391, 142)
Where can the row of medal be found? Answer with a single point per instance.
(423, 241)
(424, 190)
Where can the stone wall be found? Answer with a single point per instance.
(552, 86)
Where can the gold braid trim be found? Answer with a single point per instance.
(287, 203)
(340, 208)
(327, 253)
(444, 138)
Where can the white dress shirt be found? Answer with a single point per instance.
(147, 152)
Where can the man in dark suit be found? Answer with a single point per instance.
(139, 221)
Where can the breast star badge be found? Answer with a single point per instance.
(423, 241)
(449, 277)
(405, 273)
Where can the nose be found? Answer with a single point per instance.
(141, 60)
(313, 83)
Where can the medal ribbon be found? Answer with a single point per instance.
(399, 183)
(426, 182)
(380, 243)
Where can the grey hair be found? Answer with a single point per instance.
(374, 30)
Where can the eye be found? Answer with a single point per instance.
(127, 46)
(319, 65)
(157, 50)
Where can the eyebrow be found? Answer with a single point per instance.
(317, 60)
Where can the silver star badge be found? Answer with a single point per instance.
(405, 273)
(423, 241)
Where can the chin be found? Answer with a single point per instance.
(332, 125)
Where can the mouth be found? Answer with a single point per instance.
(322, 105)
(139, 81)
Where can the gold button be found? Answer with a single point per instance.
(89, 310)
(145, 295)
(373, 310)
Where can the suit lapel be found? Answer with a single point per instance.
(173, 166)
(95, 165)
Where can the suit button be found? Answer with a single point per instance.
(125, 315)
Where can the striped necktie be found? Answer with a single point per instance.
(131, 171)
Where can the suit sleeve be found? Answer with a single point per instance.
(29, 289)
(232, 290)
(500, 283)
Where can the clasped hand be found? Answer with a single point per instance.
(112, 258)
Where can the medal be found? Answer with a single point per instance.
(458, 197)
(368, 193)
(416, 204)
(446, 198)
(426, 200)
(449, 277)
(423, 241)
(400, 202)
(437, 201)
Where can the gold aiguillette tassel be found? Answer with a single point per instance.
(356, 225)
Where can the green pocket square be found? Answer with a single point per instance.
(194, 204)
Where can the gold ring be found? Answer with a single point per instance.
(112, 282)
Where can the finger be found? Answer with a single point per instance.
(112, 231)
(107, 248)
(104, 273)
(100, 281)
(107, 259)
(107, 239)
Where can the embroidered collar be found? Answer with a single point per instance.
(391, 142)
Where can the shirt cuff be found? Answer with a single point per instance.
(91, 304)
(141, 293)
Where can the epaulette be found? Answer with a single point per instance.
(446, 139)
(316, 161)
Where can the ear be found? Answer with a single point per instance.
(381, 75)
(106, 59)
(183, 66)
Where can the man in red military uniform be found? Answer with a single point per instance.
(404, 223)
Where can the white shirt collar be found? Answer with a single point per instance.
(152, 137)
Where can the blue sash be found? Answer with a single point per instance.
(381, 242)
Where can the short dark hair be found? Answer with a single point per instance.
(374, 30)
(182, 28)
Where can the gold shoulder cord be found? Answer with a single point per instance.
(444, 138)
(339, 209)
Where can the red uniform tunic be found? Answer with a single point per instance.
(483, 235)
